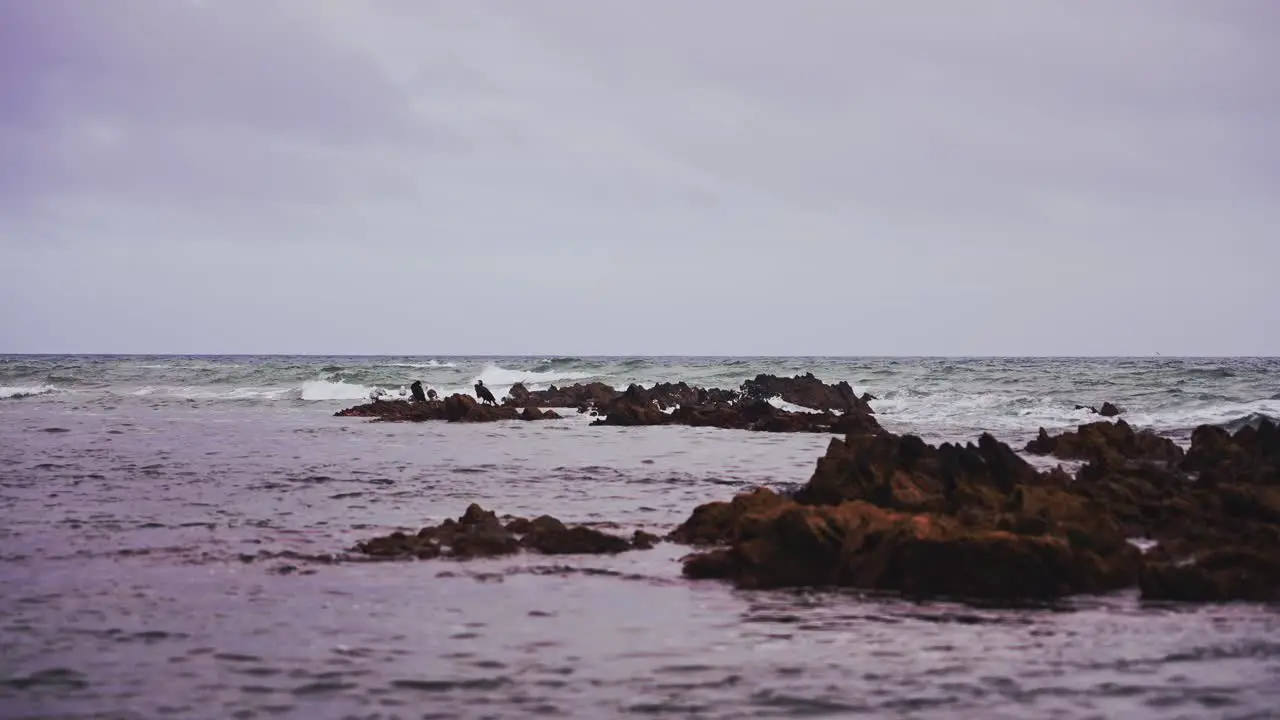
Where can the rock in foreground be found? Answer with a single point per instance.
(891, 512)
(479, 533)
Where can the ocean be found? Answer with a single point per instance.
(173, 526)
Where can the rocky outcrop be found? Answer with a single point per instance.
(479, 533)
(455, 408)
(905, 473)
(1250, 456)
(1108, 410)
(756, 415)
(1216, 576)
(890, 512)
(1105, 441)
(593, 394)
(857, 544)
(807, 391)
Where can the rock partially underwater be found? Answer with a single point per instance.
(455, 408)
(480, 533)
(889, 512)
(836, 408)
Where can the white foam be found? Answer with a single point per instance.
(425, 365)
(22, 391)
(1216, 414)
(1143, 544)
(781, 404)
(329, 390)
(496, 376)
(191, 392)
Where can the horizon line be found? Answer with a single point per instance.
(627, 356)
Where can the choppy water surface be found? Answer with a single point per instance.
(167, 553)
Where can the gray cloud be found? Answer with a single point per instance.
(572, 176)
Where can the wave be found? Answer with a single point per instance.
(423, 365)
(212, 393)
(497, 376)
(14, 392)
(338, 390)
(1251, 420)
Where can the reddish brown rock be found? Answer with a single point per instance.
(1251, 455)
(1106, 442)
(1216, 576)
(905, 473)
(717, 522)
(856, 544)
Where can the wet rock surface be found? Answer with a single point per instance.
(1108, 442)
(806, 391)
(455, 408)
(480, 533)
(573, 396)
(663, 404)
(890, 512)
(757, 415)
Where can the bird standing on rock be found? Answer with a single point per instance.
(483, 393)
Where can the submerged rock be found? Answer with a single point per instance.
(479, 533)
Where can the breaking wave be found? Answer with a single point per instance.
(497, 376)
(24, 391)
(336, 390)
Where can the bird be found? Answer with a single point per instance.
(483, 393)
(432, 394)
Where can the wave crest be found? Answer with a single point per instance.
(15, 392)
(497, 376)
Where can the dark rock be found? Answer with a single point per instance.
(905, 473)
(856, 544)
(1251, 455)
(1217, 576)
(757, 415)
(718, 522)
(455, 408)
(890, 512)
(575, 396)
(1108, 410)
(1105, 441)
(479, 533)
(642, 540)
(806, 391)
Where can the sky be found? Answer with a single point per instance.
(723, 177)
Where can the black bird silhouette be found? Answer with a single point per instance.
(416, 390)
(483, 393)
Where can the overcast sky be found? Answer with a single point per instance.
(616, 177)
